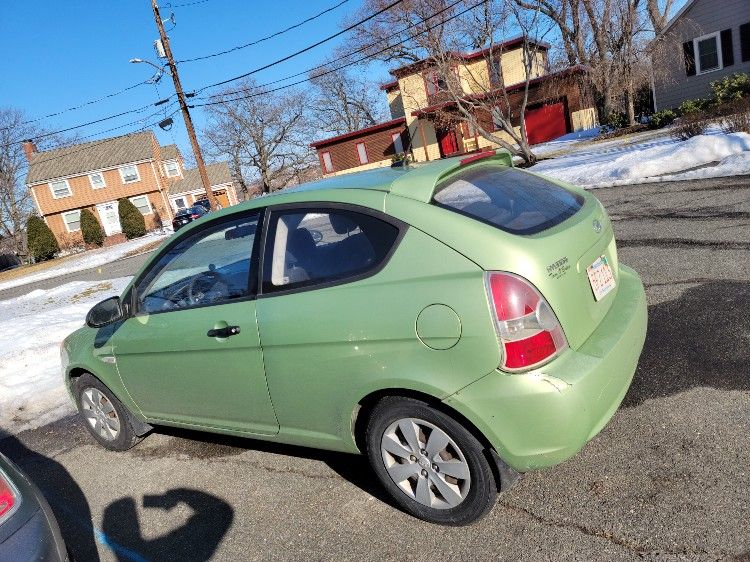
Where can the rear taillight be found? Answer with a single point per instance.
(8, 498)
(195, 216)
(527, 328)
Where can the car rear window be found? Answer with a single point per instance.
(508, 198)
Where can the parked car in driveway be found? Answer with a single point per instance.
(28, 529)
(459, 323)
(188, 215)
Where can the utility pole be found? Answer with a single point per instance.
(185, 111)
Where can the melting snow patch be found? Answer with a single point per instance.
(32, 327)
(652, 161)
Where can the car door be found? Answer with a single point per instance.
(320, 285)
(190, 351)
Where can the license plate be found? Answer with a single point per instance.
(600, 277)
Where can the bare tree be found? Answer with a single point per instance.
(344, 101)
(479, 94)
(612, 38)
(16, 203)
(263, 133)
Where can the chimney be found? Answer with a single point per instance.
(29, 149)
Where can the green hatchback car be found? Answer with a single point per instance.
(458, 322)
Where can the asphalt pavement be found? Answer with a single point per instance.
(113, 270)
(667, 479)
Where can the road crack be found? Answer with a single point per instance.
(622, 542)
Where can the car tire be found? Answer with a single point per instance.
(447, 480)
(106, 418)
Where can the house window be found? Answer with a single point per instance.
(142, 204)
(60, 189)
(97, 180)
(708, 53)
(434, 83)
(171, 168)
(398, 144)
(327, 162)
(362, 153)
(129, 174)
(72, 220)
(179, 203)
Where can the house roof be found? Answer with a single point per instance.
(410, 68)
(170, 152)
(359, 132)
(389, 85)
(688, 4)
(579, 68)
(218, 174)
(85, 157)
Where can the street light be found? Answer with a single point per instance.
(159, 69)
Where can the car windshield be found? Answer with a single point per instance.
(508, 198)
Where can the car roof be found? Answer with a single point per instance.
(416, 181)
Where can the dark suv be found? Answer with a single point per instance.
(185, 216)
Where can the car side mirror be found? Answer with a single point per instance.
(106, 312)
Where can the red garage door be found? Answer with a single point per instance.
(546, 123)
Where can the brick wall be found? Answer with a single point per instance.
(67, 239)
(84, 195)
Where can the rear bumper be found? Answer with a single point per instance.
(543, 417)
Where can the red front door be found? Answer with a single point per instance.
(546, 122)
(448, 141)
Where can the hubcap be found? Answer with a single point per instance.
(425, 463)
(100, 414)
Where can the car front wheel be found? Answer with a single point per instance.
(431, 465)
(106, 418)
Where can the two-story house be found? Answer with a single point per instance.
(95, 175)
(558, 103)
(705, 41)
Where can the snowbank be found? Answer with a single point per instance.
(32, 327)
(664, 159)
(85, 260)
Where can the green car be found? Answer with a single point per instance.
(459, 322)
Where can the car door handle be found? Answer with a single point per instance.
(223, 332)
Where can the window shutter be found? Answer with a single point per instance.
(689, 52)
(745, 41)
(727, 49)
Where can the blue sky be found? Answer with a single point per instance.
(58, 54)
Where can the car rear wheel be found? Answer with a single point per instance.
(106, 418)
(431, 465)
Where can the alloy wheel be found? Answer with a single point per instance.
(100, 413)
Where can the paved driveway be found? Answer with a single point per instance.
(667, 479)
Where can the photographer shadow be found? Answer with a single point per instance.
(197, 539)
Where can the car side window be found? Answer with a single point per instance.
(210, 267)
(312, 247)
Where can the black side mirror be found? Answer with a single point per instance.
(106, 312)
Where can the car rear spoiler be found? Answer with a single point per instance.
(419, 182)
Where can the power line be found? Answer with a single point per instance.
(74, 127)
(266, 38)
(334, 69)
(184, 5)
(308, 48)
(80, 106)
(348, 56)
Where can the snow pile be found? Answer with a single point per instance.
(734, 165)
(651, 161)
(32, 327)
(85, 260)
